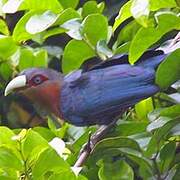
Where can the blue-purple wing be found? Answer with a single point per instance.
(98, 96)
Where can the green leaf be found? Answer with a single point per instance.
(66, 15)
(50, 32)
(7, 47)
(168, 71)
(52, 5)
(65, 175)
(72, 59)
(159, 122)
(91, 7)
(103, 50)
(116, 142)
(172, 111)
(128, 32)
(138, 158)
(159, 135)
(124, 14)
(6, 71)
(31, 141)
(70, 3)
(3, 27)
(40, 22)
(95, 28)
(73, 28)
(20, 34)
(6, 137)
(167, 154)
(114, 171)
(125, 11)
(166, 22)
(44, 132)
(9, 160)
(140, 11)
(12, 6)
(28, 58)
(48, 161)
(143, 108)
(124, 48)
(155, 5)
(127, 128)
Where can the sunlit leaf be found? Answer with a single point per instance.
(49, 160)
(7, 47)
(168, 71)
(31, 141)
(140, 10)
(9, 160)
(40, 22)
(73, 28)
(124, 14)
(146, 37)
(91, 7)
(155, 5)
(103, 51)
(72, 59)
(3, 27)
(69, 3)
(95, 28)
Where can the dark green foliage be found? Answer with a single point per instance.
(63, 34)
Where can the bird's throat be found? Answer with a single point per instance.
(46, 96)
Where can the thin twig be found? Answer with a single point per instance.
(93, 140)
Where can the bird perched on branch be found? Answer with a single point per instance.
(96, 95)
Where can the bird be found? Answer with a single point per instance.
(91, 96)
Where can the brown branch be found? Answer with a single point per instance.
(93, 140)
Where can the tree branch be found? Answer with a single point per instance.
(93, 140)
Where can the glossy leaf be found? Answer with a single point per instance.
(166, 22)
(155, 5)
(116, 170)
(116, 142)
(124, 14)
(48, 160)
(140, 10)
(20, 34)
(67, 15)
(167, 155)
(69, 3)
(6, 136)
(72, 59)
(31, 141)
(168, 71)
(7, 47)
(91, 7)
(95, 28)
(128, 32)
(103, 51)
(9, 160)
(28, 58)
(40, 22)
(143, 108)
(3, 27)
(52, 5)
(160, 134)
(73, 28)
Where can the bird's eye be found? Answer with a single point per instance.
(38, 79)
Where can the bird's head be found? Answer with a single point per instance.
(42, 86)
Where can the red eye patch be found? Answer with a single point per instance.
(37, 79)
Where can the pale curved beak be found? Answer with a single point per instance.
(17, 82)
